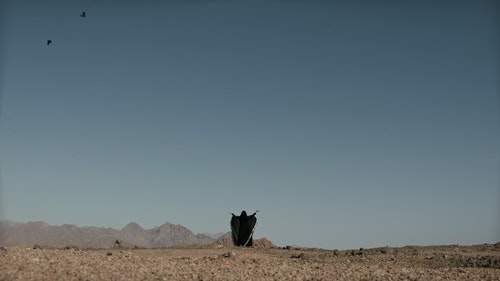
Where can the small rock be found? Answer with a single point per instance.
(299, 256)
(229, 254)
(118, 243)
(36, 247)
(109, 254)
(386, 250)
(379, 272)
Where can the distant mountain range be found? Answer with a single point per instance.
(41, 233)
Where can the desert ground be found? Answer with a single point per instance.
(219, 262)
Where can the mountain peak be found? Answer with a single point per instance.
(132, 226)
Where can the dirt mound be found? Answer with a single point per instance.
(263, 243)
(227, 241)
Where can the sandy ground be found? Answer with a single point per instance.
(217, 262)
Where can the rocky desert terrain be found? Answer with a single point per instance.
(264, 262)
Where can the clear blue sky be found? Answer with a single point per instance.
(348, 123)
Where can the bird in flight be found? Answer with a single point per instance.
(83, 14)
(49, 42)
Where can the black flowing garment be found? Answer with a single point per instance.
(242, 228)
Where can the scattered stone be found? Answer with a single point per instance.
(356, 253)
(298, 256)
(229, 254)
(205, 263)
(211, 258)
(36, 247)
(379, 272)
(386, 250)
(118, 243)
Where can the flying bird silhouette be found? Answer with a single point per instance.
(49, 42)
(83, 14)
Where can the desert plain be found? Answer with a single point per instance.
(222, 262)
